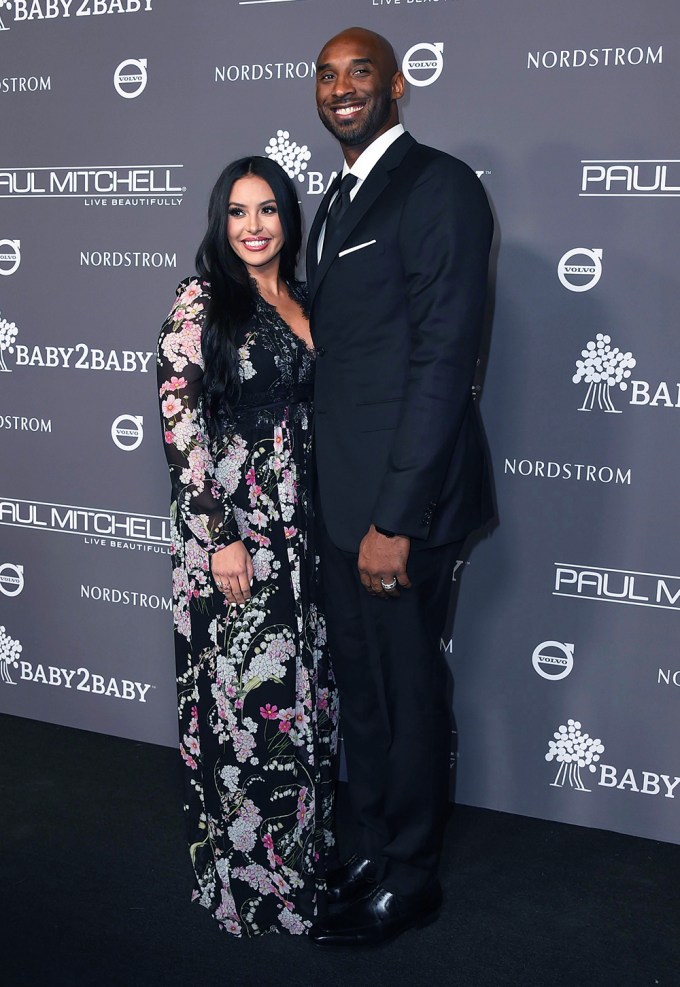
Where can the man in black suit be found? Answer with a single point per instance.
(397, 265)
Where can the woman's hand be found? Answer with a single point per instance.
(232, 570)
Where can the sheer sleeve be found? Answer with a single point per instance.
(199, 499)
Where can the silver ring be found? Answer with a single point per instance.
(219, 583)
(388, 586)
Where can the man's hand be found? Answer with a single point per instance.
(232, 570)
(383, 558)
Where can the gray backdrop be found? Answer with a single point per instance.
(116, 117)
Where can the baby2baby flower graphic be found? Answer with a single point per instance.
(573, 750)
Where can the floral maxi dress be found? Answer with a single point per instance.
(257, 704)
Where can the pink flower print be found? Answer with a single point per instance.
(279, 882)
(322, 699)
(290, 532)
(302, 809)
(188, 760)
(278, 439)
(192, 744)
(179, 314)
(257, 537)
(171, 406)
(176, 383)
(239, 704)
(269, 712)
(301, 718)
(284, 726)
(268, 841)
(230, 691)
(169, 437)
(250, 476)
(191, 292)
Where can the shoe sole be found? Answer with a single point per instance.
(422, 923)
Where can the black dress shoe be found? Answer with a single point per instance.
(378, 918)
(351, 881)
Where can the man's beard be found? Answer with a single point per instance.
(362, 130)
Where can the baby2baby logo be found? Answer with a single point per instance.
(17, 11)
(80, 356)
(576, 752)
(81, 679)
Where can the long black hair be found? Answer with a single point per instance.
(232, 294)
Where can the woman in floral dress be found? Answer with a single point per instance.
(257, 703)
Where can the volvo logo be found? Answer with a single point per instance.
(10, 256)
(130, 78)
(127, 432)
(426, 69)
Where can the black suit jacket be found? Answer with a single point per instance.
(396, 308)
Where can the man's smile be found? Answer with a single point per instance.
(347, 110)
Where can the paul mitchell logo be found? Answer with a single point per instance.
(579, 58)
(553, 660)
(46, 10)
(573, 750)
(112, 529)
(127, 432)
(10, 256)
(8, 335)
(130, 78)
(11, 579)
(636, 589)
(648, 178)
(292, 157)
(9, 656)
(603, 368)
(423, 63)
(116, 185)
(583, 276)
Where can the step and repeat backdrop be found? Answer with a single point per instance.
(116, 117)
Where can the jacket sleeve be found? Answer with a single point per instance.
(445, 235)
(197, 497)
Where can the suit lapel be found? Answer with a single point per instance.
(375, 184)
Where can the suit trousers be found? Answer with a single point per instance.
(395, 714)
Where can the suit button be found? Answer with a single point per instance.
(320, 351)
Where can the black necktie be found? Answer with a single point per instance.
(339, 206)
